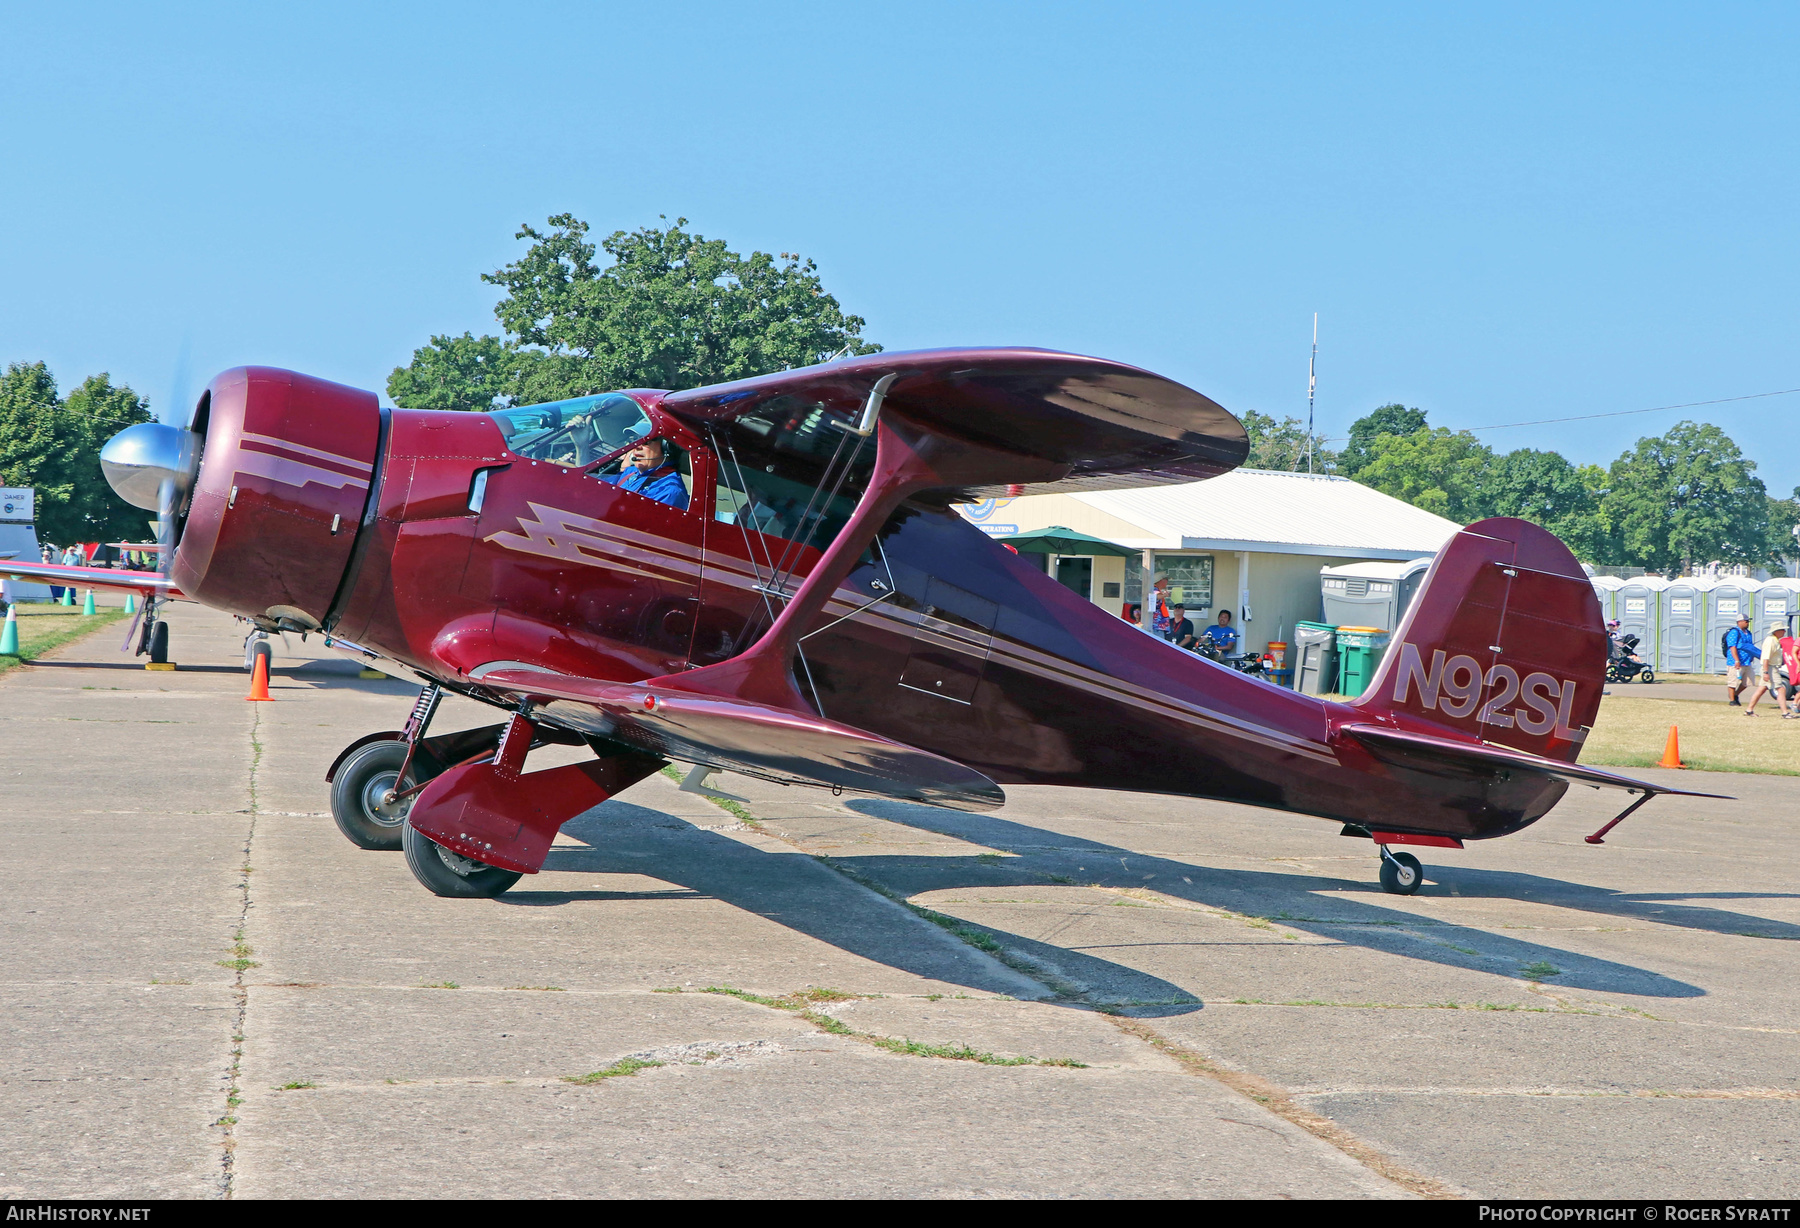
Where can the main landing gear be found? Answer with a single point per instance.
(469, 818)
(1401, 873)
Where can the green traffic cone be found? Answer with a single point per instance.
(68, 596)
(87, 606)
(130, 603)
(9, 638)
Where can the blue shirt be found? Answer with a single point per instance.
(1222, 636)
(664, 484)
(1745, 643)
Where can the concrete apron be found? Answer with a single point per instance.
(211, 992)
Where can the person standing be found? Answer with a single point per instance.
(1768, 676)
(1161, 615)
(1740, 660)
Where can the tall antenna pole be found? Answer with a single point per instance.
(1312, 382)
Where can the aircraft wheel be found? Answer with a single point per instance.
(450, 874)
(1401, 874)
(260, 648)
(357, 790)
(159, 643)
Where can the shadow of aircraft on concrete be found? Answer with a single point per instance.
(797, 891)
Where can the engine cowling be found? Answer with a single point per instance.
(283, 481)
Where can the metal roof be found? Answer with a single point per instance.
(1276, 513)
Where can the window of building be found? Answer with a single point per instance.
(1190, 579)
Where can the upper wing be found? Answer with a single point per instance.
(93, 577)
(1110, 424)
(739, 735)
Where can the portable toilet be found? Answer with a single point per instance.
(1778, 600)
(1606, 588)
(1637, 604)
(1682, 642)
(1729, 598)
(1370, 594)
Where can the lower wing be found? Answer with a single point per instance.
(94, 577)
(738, 735)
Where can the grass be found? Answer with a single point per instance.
(620, 1069)
(1715, 737)
(736, 810)
(296, 1087)
(441, 985)
(43, 627)
(1540, 969)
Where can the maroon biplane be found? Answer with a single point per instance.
(818, 613)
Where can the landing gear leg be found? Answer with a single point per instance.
(372, 790)
(1401, 873)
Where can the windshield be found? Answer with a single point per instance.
(575, 432)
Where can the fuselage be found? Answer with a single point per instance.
(425, 537)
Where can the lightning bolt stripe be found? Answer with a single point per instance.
(291, 472)
(267, 443)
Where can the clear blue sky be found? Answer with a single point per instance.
(1513, 213)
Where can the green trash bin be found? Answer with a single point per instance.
(1360, 650)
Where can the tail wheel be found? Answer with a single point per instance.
(359, 792)
(450, 874)
(1401, 873)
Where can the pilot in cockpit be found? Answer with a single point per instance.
(648, 471)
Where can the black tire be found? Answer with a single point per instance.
(356, 792)
(261, 648)
(1647, 676)
(1612, 673)
(1401, 874)
(159, 643)
(450, 875)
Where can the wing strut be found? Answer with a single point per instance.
(1597, 837)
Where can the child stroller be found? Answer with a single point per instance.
(1623, 664)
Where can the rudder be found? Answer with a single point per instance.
(1504, 642)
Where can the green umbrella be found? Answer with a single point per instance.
(1058, 540)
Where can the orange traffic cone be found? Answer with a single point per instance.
(1671, 751)
(259, 681)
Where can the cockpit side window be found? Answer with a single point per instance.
(575, 432)
(770, 465)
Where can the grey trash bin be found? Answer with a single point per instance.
(1315, 658)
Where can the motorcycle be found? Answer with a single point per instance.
(1624, 665)
(1246, 663)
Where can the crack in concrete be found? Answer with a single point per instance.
(228, 1122)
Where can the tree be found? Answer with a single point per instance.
(1543, 487)
(1688, 497)
(1282, 445)
(673, 310)
(91, 415)
(54, 446)
(1441, 471)
(1393, 419)
(457, 373)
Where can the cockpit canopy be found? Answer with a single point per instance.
(574, 432)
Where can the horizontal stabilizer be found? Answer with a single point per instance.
(1426, 752)
(739, 735)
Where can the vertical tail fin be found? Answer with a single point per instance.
(1504, 642)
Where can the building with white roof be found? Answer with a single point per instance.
(1251, 541)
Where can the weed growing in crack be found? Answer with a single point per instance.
(1539, 969)
(542, 988)
(441, 985)
(299, 1085)
(618, 1070)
